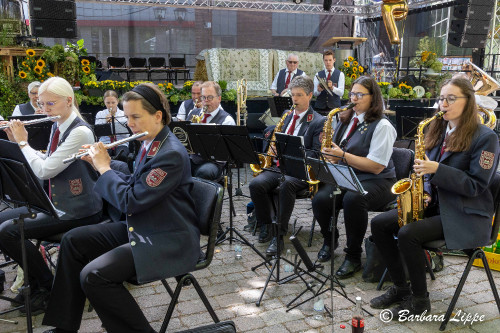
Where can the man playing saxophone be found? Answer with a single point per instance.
(460, 162)
(363, 139)
(304, 121)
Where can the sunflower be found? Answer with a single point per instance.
(354, 69)
(24, 64)
(85, 62)
(355, 63)
(86, 69)
(350, 58)
(38, 70)
(30, 52)
(22, 74)
(346, 64)
(40, 63)
(353, 76)
(361, 69)
(49, 74)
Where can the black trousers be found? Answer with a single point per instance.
(261, 192)
(356, 207)
(94, 261)
(409, 243)
(38, 228)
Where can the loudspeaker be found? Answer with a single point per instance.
(53, 18)
(470, 24)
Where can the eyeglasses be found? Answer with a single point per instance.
(292, 62)
(358, 95)
(42, 104)
(450, 99)
(207, 98)
(33, 92)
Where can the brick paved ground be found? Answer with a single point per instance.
(233, 288)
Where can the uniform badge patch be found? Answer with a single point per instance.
(267, 134)
(154, 148)
(310, 117)
(155, 177)
(486, 160)
(76, 186)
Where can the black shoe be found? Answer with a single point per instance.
(347, 269)
(272, 250)
(265, 233)
(39, 301)
(18, 300)
(412, 305)
(324, 254)
(393, 295)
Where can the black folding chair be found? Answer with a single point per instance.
(159, 65)
(117, 65)
(178, 66)
(137, 65)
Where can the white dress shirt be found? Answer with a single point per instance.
(46, 167)
(274, 85)
(383, 139)
(298, 123)
(181, 114)
(228, 121)
(17, 110)
(120, 125)
(339, 90)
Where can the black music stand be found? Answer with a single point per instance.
(225, 143)
(20, 186)
(278, 105)
(38, 134)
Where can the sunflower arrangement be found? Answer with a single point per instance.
(430, 60)
(32, 69)
(351, 68)
(86, 72)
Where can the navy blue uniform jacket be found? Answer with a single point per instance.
(161, 220)
(465, 202)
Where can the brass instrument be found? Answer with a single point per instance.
(265, 161)
(328, 131)
(241, 102)
(197, 119)
(74, 157)
(324, 84)
(34, 121)
(410, 191)
(483, 85)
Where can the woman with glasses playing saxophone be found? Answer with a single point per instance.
(363, 139)
(460, 160)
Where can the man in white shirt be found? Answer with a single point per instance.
(328, 100)
(286, 75)
(190, 104)
(30, 107)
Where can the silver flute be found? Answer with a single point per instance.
(74, 157)
(34, 121)
(324, 84)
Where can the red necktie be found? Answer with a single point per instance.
(54, 142)
(353, 127)
(288, 79)
(328, 77)
(292, 127)
(205, 117)
(143, 152)
(443, 147)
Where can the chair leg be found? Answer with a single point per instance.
(460, 286)
(167, 287)
(428, 266)
(382, 280)
(311, 233)
(490, 278)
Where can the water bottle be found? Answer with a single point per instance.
(319, 308)
(238, 249)
(358, 320)
(288, 267)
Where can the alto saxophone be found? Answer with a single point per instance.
(410, 191)
(266, 160)
(328, 131)
(197, 119)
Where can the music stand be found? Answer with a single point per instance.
(20, 186)
(278, 105)
(38, 134)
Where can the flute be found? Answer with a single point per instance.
(74, 157)
(34, 121)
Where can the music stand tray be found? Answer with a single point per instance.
(278, 105)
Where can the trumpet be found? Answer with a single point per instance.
(74, 157)
(34, 121)
(199, 118)
(324, 84)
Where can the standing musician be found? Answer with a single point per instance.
(30, 107)
(363, 139)
(106, 117)
(335, 81)
(190, 104)
(460, 161)
(306, 122)
(70, 186)
(211, 113)
(159, 239)
(286, 75)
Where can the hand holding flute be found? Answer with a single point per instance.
(97, 155)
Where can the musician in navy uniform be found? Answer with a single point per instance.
(364, 138)
(286, 75)
(460, 162)
(159, 239)
(190, 104)
(213, 113)
(30, 107)
(335, 81)
(305, 122)
(70, 186)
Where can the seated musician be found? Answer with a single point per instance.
(30, 107)
(190, 104)
(364, 138)
(461, 157)
(113, 114)
(335, 81)
(69, 186)
(303, 121)
(212, 113)
(159, 239)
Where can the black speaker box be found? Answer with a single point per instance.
(53, 28)
(467, 40)
(470, 26)
(473, 12)
(53, 9)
